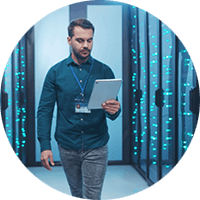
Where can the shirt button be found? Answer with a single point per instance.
(81, 119)
(80, 69)
(82, 131)
(80, 81)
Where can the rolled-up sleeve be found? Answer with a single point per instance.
(45, 111)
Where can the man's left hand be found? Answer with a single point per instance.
(111, 106)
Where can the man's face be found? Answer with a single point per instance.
(81, 42)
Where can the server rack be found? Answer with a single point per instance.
(164, 88)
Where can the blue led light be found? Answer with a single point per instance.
(133, 50)
(190, 134)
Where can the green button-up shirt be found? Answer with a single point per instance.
(75, 131)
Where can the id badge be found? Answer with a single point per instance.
(81, 106)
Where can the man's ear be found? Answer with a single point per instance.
(69, 39)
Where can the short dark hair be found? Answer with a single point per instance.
(84, 23)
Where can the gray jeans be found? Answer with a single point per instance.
(85, 171)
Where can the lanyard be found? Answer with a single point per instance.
(82, 88)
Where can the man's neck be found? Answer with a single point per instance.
(76, 60)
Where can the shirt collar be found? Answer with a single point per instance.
(70, 60)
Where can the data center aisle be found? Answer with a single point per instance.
(120, 181)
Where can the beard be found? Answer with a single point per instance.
(83, 54)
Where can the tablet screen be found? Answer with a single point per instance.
(103, 90)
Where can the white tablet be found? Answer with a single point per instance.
(103, 90)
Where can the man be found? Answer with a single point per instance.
(81, 134)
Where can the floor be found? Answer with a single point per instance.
(120, 181)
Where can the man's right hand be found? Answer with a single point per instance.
(45, 156)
